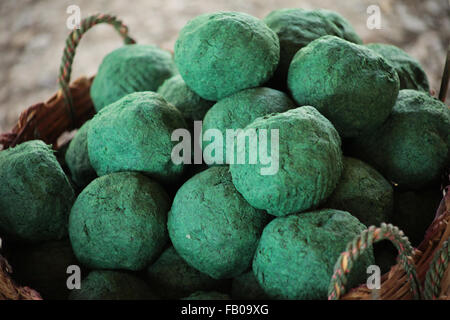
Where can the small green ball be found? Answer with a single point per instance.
(212, 295)
(246, 287)
(296, 254)
(134, 134)
(119, 222)
(35, 194)
(363, 192)
(310, 163)
(131, 68)
(354, 87)
(221, 53)
(212, 227)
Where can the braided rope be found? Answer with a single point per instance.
(436, 271)
(365, 241)
(69, 51)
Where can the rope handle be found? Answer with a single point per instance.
(436, 272)
(361, 244)
(71, 44)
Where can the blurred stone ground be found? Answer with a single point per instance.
(33, 33)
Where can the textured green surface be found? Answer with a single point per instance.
(221, 53)
(112, 285)
(354, 87)
(298, 27)
(246, 287)
(212, 295)
(412, 147)
(212, 227)
(240, 109)
(131, 68)
(296, 254)
(77, 158)
(134, 134)
(35, 194)
(172, 278)
(363, 192)
(119, 222)
(409, 71)
(310, 163)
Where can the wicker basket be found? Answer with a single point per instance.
(420, 273)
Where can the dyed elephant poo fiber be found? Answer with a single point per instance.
(354, 87)
(363, 192)
(310, 163)
(221, 53)
(412, 148)
(296, 254)
(119, 222)
(212, 295)
(296, 28)
(240, 109)
(246, 287)
(35, 194)
(172, 278)
(212, 227)
(131, 68)
(134, 134)
(112, 285)
(77, 158)
(409, 71)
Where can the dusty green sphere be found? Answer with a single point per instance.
(131, 68)
(119, 222)
(309, 166)
(354, 87)
(296, 254)
(134, 134)
(221, 53)
(212, 227)
(35, 194)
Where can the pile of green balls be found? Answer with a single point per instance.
(299, 84)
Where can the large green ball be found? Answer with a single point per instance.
(119, 222)
(354, 87)
(221, 53)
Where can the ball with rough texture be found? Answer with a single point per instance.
(119, 222)
(77, 158)
(412, 148)
(211, 295)
(296, 254)
(131, 68)
(35, 194)
(310, 163)
(134, 134)
(351, 85)
(172, 278)
(221, 53)
(408, 69)
(239, 110)
(212, 227)
(112, 285)
(246, 287)
(363, 192)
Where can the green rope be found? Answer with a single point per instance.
(436, 271)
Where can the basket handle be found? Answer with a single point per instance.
(436, 271)
(362, 243)
(69, 52)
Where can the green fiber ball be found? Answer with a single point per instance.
(412, 148)
(296, 28)
(363, 192)
(131, 68)
(246, 287)
(119, 222)
(43, 267)
(173, 278)
(409, 71)
(296, 254)
(354, 87)
(309, 165)
(134, 134)
(239, 110)
(35, 194)
(221, 53)
(211, 295)
(77, 158)
(212, 227)
(112, 285)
